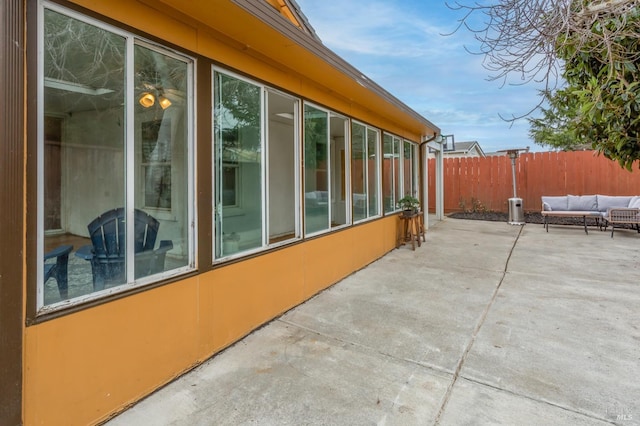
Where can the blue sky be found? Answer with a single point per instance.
(400, 45)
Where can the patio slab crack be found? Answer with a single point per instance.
(474, 335)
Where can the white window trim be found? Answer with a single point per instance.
(392, 183)
(235, 210)
(264, 142)
(414, 167)
(347, 171)
(378, 187)
(297, 169)
(304, 162)
(401, 171)
(399, 143)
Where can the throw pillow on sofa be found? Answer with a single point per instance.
(582, 203)
(606, 202)
(554, 203)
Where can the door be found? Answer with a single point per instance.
(52, 173)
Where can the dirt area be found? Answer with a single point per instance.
(529, 217)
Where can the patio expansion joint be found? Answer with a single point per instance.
(476, 330)
(534, 399)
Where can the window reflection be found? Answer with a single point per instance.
(359, 171)
(238, 165)
(86, 181)
(365, 171)
(316, 177)
(373, 170)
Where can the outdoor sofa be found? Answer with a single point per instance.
(605, 209)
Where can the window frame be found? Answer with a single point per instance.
(378, 165)
(410, 176)
(414, 188)
(296, 166)
(239, 208)
(346, 173)
(130, 166)
(265, 90)
(330, 158)
(396, 176)
(378, 171)
(416, 172)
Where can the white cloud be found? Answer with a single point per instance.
(373, 28)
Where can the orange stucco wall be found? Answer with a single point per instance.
(83, 367)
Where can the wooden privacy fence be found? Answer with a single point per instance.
(472, 183)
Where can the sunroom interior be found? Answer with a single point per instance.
(101, 152)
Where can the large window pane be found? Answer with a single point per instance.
(316, 177)
(100, 148)
(339, 175)
(283, 168)
(238, 165)
(407, 167)
(84, 145)
(162, 152)
(388, 167)
(416, 168)
(365, 171)
(397, 169)
(373, 171)
(359, 171)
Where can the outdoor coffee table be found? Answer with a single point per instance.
(575, 213)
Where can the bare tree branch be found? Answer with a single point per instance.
(522, 37)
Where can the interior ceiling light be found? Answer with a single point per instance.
(164, 102)
(147, 100)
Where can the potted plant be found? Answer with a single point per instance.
(409, 203)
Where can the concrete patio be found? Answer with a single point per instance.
(486, 323)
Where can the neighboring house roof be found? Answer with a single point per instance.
(471, 148)
(503, 152)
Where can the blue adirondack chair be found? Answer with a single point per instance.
(59, 269)
(107, 252)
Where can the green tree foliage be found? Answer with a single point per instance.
(604, 82)
(601, 102)
(553, 127)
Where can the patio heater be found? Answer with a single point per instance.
(516, 212)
